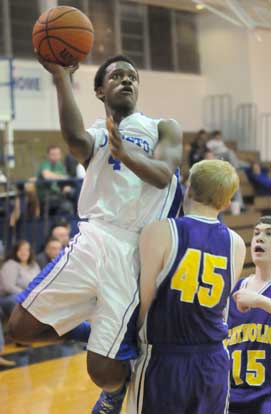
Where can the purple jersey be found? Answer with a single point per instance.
(249, 343)
(194, 287)
(184, 367)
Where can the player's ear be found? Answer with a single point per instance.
(226, 206)
(100, 93)
(190, 191)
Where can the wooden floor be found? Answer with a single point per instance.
(58, 386)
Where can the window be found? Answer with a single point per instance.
(160, 38)
(23, 16)
(134, 38)
(187, 42)
(2, 30)
(102, 15)
(79, 4)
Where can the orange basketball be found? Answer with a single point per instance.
(63, 35)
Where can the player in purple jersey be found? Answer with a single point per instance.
(187, 267)
(249, 340)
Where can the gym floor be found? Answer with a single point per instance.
(47, 379)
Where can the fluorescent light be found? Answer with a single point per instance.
(200, 6)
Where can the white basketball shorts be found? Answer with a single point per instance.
(95, 279)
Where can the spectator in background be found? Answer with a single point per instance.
(51, 250)
(50, 170)
(76, 171)
(61, 232)
(17, 271)
(259, 178)
(221, 151)
(198, 147)
(74, 168)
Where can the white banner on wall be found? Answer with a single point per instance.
(161, 95)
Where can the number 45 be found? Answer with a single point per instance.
(186, 278)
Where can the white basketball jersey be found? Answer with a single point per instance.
(111, 191)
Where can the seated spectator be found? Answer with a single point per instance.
(17, 271)
(221, 151)
(76, 171)
(259, 178)
(198, 147)
(26, 202)
(74, 168)
(209, 155)
(61, 231)
(58, 195)
(51, 250)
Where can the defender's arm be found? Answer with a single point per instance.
(154, 246)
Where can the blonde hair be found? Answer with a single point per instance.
(213, 182)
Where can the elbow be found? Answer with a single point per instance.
(161, 185)
(163, 182)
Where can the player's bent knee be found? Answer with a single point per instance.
(22, 326)
(106, 372)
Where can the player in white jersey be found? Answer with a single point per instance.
(130, 181)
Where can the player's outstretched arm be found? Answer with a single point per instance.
(154, 247)
(79, 141)
(158, 170)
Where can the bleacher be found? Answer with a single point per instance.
(255, 205)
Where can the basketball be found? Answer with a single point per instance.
(63, 35)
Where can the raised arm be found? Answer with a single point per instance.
(158, 170)
(154, 246)
(247, 299)
(79, 141)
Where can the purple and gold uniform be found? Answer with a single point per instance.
(184, 367)
(249, 343)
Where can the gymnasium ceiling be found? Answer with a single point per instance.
(249, 13)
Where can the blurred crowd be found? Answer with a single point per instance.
(212, 146)
(21, 265)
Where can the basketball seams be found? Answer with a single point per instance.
(57, 17)
(67, 44)
(63, 27)
(70, 41)
(49, 43)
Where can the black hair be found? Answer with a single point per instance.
(60, 223)
(264, 220)
(215, 133)
(100, 74)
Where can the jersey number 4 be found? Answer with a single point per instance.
(186, 278)
(115, 162)
(255, 370)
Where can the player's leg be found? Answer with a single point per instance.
(160, 382)
(211, 381)
(113, 336)
(25, 328)
(265, 406)
(99, 366)
(51, 305)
